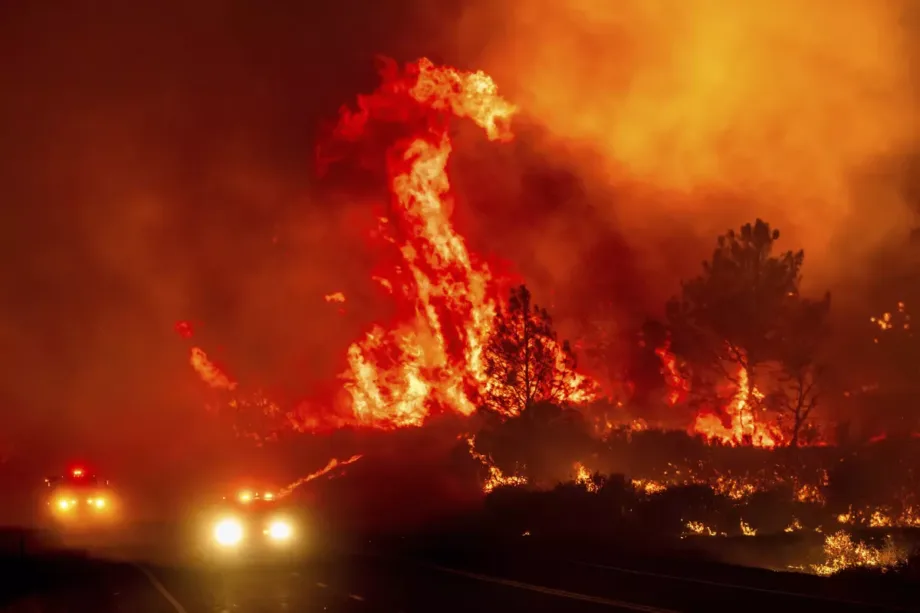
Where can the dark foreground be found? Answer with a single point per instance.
(374, 577)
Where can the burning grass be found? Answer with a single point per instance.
(831, 508)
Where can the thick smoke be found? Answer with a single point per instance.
(158, 166)
(703, 115)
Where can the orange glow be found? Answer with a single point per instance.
(184, 329)
(683, 99)
(209, 372)
(77, 472)
(434, 358)
(431, 358)
(677, 385)
(898, 321)
(396, 376)
(744, 425)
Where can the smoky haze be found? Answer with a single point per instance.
(157, 166)
(157, 163)
(706, 114)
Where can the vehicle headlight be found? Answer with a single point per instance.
(280, 531)
(228, 532)
(98, 503)
(64, 504)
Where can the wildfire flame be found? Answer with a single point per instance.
(744, 425)
(841, 551)
(584, 478)
(496, 477)
(330, 466)
(433, 360)
(209, 372)
(677, 385)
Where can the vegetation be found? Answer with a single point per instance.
(525, 362)
(743, 320)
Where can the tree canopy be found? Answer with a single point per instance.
(524, 360)
(742, 319)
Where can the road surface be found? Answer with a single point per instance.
(375, 583)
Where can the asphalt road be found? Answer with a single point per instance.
(375, 583)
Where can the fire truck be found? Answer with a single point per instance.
(78, 499)
(253, 524)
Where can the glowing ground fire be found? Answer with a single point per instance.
(737, 422)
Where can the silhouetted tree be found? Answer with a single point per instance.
(744, 314)
(524, 360)
(801, 369)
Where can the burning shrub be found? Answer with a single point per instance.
(842, 552)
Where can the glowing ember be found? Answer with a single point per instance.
(795, 526)
(888, 321)
(209, 372)
(701, 529)
(336, 297)
(648, 486)
(184, 329)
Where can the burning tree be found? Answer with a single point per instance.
(742, 320)
(525, 362)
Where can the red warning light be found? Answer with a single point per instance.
(77, 472)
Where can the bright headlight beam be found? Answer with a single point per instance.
(279, 530)
(228, 532)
